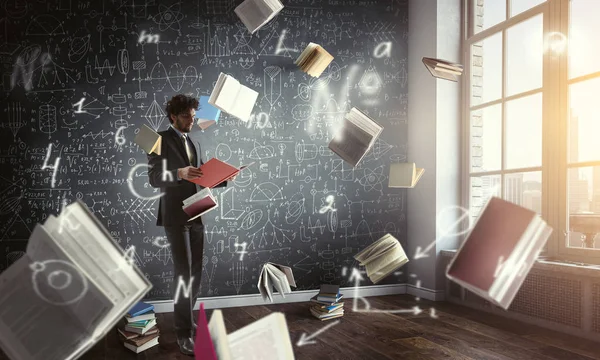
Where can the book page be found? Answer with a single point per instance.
(401, 175)
(387, 270)
(265, 339)
(227, 95)
(267, 284)
(366, 124)
(218, 334)
(348, 145)
(244, 103)
(288, 273)
(385, 259)
(217, 89)
(277, 278)
(363, 255)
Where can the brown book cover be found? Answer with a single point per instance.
(139, 341)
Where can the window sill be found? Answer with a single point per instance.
(553, 265)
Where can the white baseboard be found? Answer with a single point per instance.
(220, 302)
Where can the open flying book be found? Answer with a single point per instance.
(148, 140)
(232, 97)
(313, 60)
(382, 258)
(356, 137)
(200, 203)
(443, 69)
(256, 13)
(215, 171)
(72, 286)
(264, 339)
(206, 114)
(279, 276)
(499, 251)
(404, 175)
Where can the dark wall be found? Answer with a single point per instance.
(56, 52)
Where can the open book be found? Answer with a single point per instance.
(404, 175)
(279, 276)
(70, 288)
(443, 69)
(313, 60)
(206, 114)
(356, 137)
(148, 140)
(215, 171)
(232, 97)
(264, 339)
(382, 258)
(256, 13)
(499, 251)
(200, 203)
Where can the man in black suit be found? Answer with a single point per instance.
(179, 161)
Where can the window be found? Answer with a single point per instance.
(532, 115)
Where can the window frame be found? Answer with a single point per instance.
(555, 111)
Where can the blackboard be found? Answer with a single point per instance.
(79, 77)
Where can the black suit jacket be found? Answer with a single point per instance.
(170, 211)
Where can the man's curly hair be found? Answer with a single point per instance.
(179, 104)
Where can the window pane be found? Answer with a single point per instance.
(524, 55)
(488, 13)
(486, 70)
(482, 188)
(524, 132)
(524, 189)
(584, 121)
(518, 6)
(584, 28)
(486, 139)
(584, 207)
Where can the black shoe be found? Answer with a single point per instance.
(186, 345)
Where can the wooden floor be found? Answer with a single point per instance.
(456, 333)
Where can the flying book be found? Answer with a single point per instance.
(356, 137)
(148, 140)
(232, 97)
(200, 203)
(382, 258)
(206, 113)
(313, 60)
(499, 251)
(443, 69)
(271, 330)
(215, 171)
(278, 276)
(404, 175)
(256, 13)
(74, 276)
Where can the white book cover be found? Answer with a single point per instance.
(218, 335)
(404, 175)
(244, 103)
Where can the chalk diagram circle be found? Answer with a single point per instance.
(448, 229)
(223, 152)
(79, 195)
(58, 282)
(252, 219)
(131, 161)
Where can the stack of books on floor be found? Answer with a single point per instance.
(139, 331)
(327, 303)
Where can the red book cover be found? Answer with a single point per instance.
(497, 232)
(203, 345)
(214, 172)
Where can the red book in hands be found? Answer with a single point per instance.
(215, 171)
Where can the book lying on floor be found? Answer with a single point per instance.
(313, 60)
(499, 251)
(404, 175)
(256, 13)
(72, 285)
(206, 114)
(443, 69)
(279, 276)
(199, 204)
(356, 137)
(264, 339)
(215, 171)
(148, 140)
(232, 97)
(327, 315)
(382, 258)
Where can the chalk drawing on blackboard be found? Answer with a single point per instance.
(105, 66)
(380, 148)
(243, 42)
(373, 179)
(123, 62)
(176, 77)
(227, 205)
(304, 236)
(306, 151)
(223, 152)
(244, 178)
(397, 158)
(92, 107)
(141, 210)
(252, 219)
(307, 264)
(295, 208)
(89, 76)
(370, 83)
(317, 226)
(47, 119)
(266, 191)
(272, 43)
(272, 84)
(14, 118)
(45, 25)
(169, 17)
(302, 112)
(246, 63)
(272, 232)
(261, 152)
(339, 165)
(79, 46)
(381, 30)
(213, 46)
(237, 272)
(155, 115)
